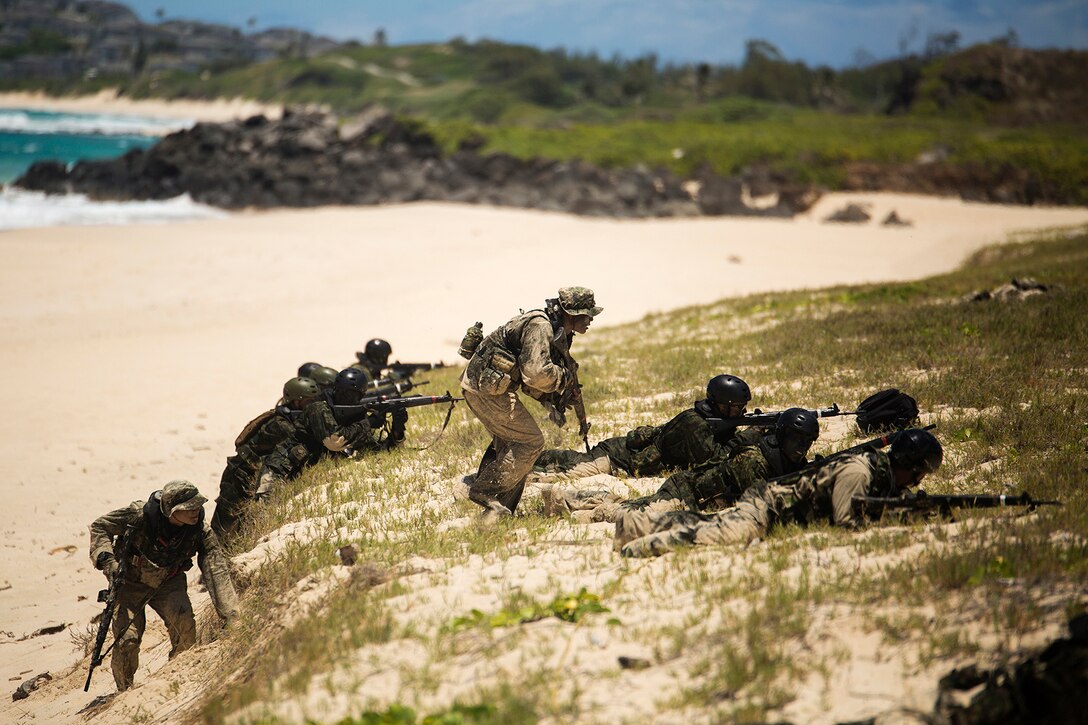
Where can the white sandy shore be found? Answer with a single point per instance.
(107, 101)
(133, 355)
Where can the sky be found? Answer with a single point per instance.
(820, 32)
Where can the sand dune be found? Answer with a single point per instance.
(133, 355)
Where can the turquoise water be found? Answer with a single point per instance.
(27, 136)
(19, 150)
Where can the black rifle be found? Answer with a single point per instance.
(348, 414)
(572, 396)
(769, 419)
(872, 444)
(874, 506)
(123, 555)
(402, 370)
(393, 388)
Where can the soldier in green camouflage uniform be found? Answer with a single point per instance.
(360, 434)
(270, 446)
(685, 441)
(169, 530)
(716, 486)
(531, 352)
(827, 493)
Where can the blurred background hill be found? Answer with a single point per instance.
(936, 117)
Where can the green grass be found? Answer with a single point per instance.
(729, 634)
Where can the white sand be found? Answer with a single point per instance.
(133, 355)
(107, 101)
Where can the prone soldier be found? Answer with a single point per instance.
(684, 442)
(712, 487)
(828, 492)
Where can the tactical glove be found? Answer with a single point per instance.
(335, 443)
(267, 483)
(399, 420)
(110, 568)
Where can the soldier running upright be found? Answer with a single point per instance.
(532, 351)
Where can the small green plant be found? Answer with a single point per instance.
(568, 607)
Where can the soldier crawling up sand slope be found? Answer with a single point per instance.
(532, 351)
(167, 531)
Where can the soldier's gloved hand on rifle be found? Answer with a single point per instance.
(108, 565)
(583, 429)
(555, 415)
(335, 443)
(398, 421)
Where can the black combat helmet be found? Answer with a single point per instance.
(793, 421)
(300, 388)
(378, 350)
(323, 376)
(305, 369)
(796, 430)
(728, 390)
(352, 379)
(916, 450)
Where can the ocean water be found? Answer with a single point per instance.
(28, 135)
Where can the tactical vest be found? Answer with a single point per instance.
(495, 367)
(167, 547)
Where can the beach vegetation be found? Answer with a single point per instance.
(445, 612)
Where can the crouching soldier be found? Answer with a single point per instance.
(685, 441)
(167, 531)
(270, 437)
(825, 493)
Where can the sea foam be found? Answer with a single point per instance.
(20, 209)
(20, 120)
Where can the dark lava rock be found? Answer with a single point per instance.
(307, 158)
(850, 214)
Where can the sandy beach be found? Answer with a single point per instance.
(133, 355)
(107, 101)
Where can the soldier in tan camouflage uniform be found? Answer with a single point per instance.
(168, 531)
(713, 486)
(530, 351)
(685, 441)
(827, 493)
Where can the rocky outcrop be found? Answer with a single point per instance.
(310, 159)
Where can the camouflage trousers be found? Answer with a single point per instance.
(171, 602)
(517, 442)
(610, 456)
(646, 533)
(236, 489)
(597, 505)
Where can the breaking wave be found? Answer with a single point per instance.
(19, 120)
(20, 209)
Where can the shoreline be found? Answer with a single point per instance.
(138, 352)
(107, 101)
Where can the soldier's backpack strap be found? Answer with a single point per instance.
(252, 426)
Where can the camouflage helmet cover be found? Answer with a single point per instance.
(180, 496)
(578, 301)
